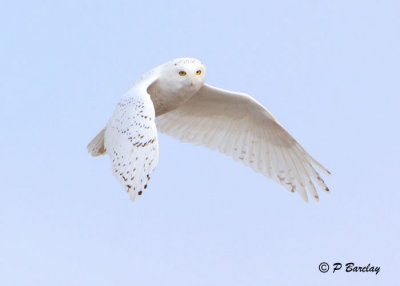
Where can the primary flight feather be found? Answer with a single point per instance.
(174, 99)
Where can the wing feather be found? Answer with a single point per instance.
(131, 140)
(240, 127)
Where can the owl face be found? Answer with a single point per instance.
(186, 74)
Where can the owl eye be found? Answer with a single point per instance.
(198, 72)
(182, 73)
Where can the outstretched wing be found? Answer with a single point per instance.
(240, 127)
(131, 140)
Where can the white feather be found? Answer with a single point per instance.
(240, 127)
(131, 139)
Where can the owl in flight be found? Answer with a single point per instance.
(175, 99)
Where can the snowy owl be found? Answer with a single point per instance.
(174, 98)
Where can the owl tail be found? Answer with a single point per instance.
(96, 146)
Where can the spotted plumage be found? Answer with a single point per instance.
(174, 99)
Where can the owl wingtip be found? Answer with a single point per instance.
(305, 198)
(132, 195)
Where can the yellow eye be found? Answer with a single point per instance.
(198, 72)
(182, 73)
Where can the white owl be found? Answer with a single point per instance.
(174, 99)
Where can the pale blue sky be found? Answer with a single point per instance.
(328, 70)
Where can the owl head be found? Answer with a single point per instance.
(184, 74)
